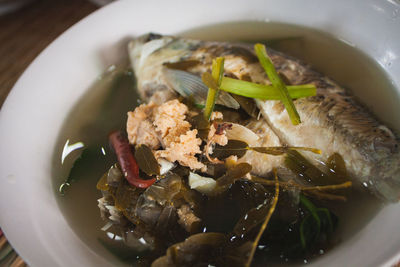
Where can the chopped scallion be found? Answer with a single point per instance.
(264, 92)
(217, 74)
(266, 221)
(276, 81)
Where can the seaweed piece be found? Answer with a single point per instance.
(239, 148)
(307, 171)
(199, 249)
(164, 191)
(247, 104)
(102, 184)
(292, 184)
(233, 173)
(234, 147)
(233, 203)
(146, 160)
(253, 218)
(202, 125)
(337, 167)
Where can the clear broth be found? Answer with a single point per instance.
(104, 107)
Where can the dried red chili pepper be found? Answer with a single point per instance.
(127, 161)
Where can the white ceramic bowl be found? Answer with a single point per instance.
(37, 106)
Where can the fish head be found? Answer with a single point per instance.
(143, 46)
(147, 55)
(151, 54)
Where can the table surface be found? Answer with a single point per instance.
(23, 35)
(26, 32)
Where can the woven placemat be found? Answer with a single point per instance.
(8, 257)
(23, 35)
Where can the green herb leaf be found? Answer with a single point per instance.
(146, 160)
(327, 224)
(264, 92)
(213, 82)
(276, 81)
(311, 230)
(314, 213)
(234, 147)
(311, 208)
(308, 231)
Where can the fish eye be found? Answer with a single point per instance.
(152, 36)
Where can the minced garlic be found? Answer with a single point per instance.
(149, 124)
(184, 151)
(139, 127)
(169, 119)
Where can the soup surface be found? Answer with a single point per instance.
(103, 109)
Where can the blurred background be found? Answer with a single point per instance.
(26, 28)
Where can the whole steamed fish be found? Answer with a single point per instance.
(332, 120)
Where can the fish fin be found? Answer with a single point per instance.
(190, 85)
